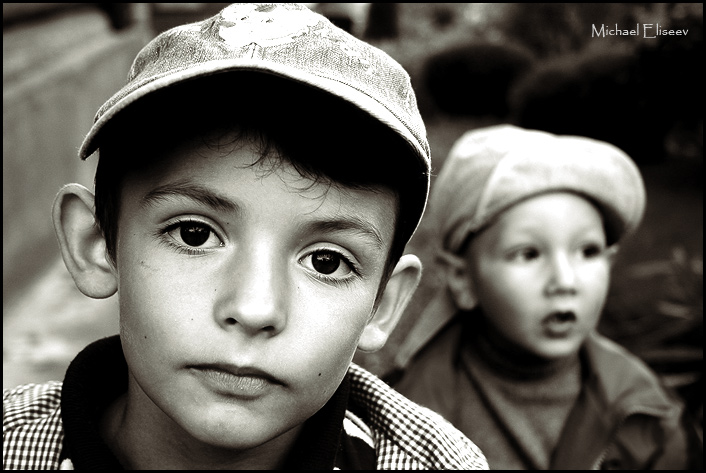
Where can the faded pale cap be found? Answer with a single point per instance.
(286, 40)
(490, 169)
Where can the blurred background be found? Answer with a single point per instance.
(535, 65)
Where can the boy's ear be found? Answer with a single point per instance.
(82, 244)
(458, 280)
(612, 254)
(395, 297)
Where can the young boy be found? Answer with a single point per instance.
(259, 177)
(528, 225)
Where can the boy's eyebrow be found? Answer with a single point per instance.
(350, 223)
(209, 198)
(191, 191)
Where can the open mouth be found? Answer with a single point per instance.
(559, 323)
(561, 317)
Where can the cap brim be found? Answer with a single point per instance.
(336, 88)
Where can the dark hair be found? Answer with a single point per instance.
(322, 136)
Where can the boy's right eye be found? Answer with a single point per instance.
(524, 254)
(192, 235)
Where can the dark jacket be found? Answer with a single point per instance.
(623, 417)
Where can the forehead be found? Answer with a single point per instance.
(354, 150)
(234, 177)
(252, 152)
(547, 214)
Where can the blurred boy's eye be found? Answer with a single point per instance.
(524, 254)
(591, 251)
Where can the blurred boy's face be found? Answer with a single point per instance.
(243, 293)
(541, 274)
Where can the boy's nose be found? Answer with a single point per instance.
(251, 298)
(562, 278)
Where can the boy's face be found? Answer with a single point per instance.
(541, 274)
(243, 292)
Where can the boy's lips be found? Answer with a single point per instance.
(235, 381)
(559, 324)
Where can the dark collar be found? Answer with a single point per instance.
(98, 375)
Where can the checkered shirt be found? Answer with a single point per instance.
(405, 436)
(32, 431)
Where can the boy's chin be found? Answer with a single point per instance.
(240, 438)
(555, 350)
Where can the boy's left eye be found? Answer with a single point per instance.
(592, 250)
(328, 263)
(325, 262)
